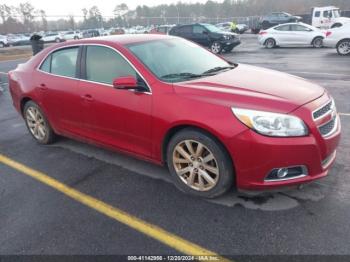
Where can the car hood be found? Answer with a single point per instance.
(253, 87)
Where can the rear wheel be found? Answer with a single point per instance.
(270, 43)
(343, 47)
(38, 124)
(199, 164)
(216, 48)
(317, 42)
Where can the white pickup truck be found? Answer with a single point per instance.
(327, 17)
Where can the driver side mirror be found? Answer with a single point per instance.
(125, 82)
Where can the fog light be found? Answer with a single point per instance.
(282, 172)
(286, 173)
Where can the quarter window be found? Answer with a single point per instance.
(103, 65)
(64, 62)
(46, 66)
(197, 29)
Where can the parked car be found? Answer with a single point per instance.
(19, 39)
(240, 28)
(165, 99)
(162, 30)
(339, 38)
(70, 35)
(53, 37)
(117, 31)
(277, 18)
(91, 33)
(292, 34)
(207, 35)
(3, 41)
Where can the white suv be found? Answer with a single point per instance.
(53, 37)
(70, 35)
(339, 38)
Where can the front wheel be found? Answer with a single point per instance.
(216, 48)
(343, 47)
(38, 124)
(199, 164)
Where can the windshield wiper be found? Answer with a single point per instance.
(217, 69)
(185, 75)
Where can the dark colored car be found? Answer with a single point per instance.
(277, 18)
(207, 35)
(91, 33)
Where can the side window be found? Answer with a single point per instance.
(46, 66)
(63, 62)
(317, 14)
(299, 28)
(103, 65)
(197, 29)
(283, 28)
(162, 29)
(185, 30)
(325, 13)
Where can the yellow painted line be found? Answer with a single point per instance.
(182, 245)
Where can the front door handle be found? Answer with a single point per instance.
(87, 97)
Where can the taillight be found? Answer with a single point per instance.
(263, 33)
(328, 33)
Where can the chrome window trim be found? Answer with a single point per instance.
(89, 81)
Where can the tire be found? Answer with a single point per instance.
(219, 168)
(343, 47)
(57, 40)
(2, 45)
(34, 116)
(216, 47)
(270, 43)
(317, 42)
(76, 38)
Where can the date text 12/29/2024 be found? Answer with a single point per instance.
(173, 258)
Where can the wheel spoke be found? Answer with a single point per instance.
(31, 114)
(183, 153)
(190, 179)
(199, 150)
(181, 160)
(211, 169)
(189, 147)
(208, 158)
(41, 131)
(206, 177)
(200, 182)
(184, 171)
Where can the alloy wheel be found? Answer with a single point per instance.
(36, 123)
(216, 48)
(270, 43)
(344, 48)
(196, 165)
(318, 43)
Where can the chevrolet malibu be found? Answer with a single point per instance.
(213, 123)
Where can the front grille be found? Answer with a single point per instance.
(328, 128)
(323, 110)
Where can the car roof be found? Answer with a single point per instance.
(124, 39)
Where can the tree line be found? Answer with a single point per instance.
(27, 18)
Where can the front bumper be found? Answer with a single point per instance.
(328, 42)
(255, 156)
(228, 44)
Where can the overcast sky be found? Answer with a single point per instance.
(73, 7)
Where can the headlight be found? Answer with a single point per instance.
(271, 124)
(227, 37)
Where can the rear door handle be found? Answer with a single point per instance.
(87, 97)
(43, 87)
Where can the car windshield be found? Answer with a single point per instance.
(336, 13)
(212, 28)
(176, 59)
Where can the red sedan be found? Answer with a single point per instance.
(214, 123)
